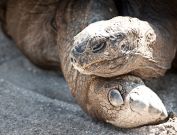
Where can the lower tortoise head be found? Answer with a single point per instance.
(124, 102)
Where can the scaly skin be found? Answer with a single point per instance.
(144, 47)
(122, 101)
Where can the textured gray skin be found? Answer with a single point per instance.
(34, 101)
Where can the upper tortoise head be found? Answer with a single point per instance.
(115, 47)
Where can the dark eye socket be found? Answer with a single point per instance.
(98, 47)
(53, 24)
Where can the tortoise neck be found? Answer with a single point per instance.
(71, 18)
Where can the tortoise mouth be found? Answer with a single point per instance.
(103, 68)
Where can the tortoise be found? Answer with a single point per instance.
(105, 87)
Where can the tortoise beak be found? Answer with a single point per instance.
(143, 100)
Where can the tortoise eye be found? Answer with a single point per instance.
(53, 25)
(98, 47)
(115, 98)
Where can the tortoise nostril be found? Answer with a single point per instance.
(80, 48)
(98, 47)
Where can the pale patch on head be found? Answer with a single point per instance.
(127, 42)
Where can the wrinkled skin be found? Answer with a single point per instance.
(131, 102)
(122, 45)
(44, 31)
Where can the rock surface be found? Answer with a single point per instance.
(35, 101)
